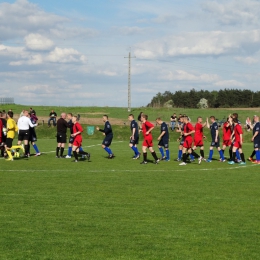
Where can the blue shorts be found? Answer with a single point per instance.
(215, 144)
(135, 141)
(256, 144)
(107, 141)
(164, 143)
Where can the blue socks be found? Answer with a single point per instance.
(257, 153)
(221, 155)
(36, 148)
(180, 154)
(135, 149)
(210, 154)
(161, 151)
(167, 154)
(238, 155)
(70, 151)
(191, 156)
(108, 150)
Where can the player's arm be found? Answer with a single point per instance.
(256, 133)
(203, 125)
(161, 135)
(217, 133)
(30, 123)
(207, 123)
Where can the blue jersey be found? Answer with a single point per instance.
(70, 126)
(257, 129)
(107, 129)
(213, 130)
(164, 128)
(134, 125)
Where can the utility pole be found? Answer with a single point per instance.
(129, 80)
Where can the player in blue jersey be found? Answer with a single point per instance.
(215, 139)
(256, 138)
(134, 138)
(163, 140)
(107, 131)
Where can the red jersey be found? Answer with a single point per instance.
(237, 131)
(187, 128)
(227, 131)
(145, 127)
(198, 131)
(77, 128)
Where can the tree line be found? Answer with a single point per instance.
(215, 99)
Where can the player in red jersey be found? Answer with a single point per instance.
(238, 141)
(188, 130)
(77, 130)
(198, 136)
(147, 127)
(227, 132)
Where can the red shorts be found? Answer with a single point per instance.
(198, 142)
(148, 142)
(77, 141)
(187, 142)
(227, 142)
(237, 144)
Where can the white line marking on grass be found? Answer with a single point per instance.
(141, 170)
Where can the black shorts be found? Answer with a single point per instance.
(23, 135)
(61, 138)
(164, 143)
(71, 140)
(9, 142)
(107, 141)
(135, 141)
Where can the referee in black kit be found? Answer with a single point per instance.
(62, 126)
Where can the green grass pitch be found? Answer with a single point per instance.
(118, 209)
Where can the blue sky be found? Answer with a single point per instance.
(72, 52)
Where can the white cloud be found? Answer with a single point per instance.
(65, 55)
(247, 60)
(234, 12)
(37, 42)
(229, 83)
(200, 43)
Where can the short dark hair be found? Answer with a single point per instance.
(10, 113)
(235, 120)
(106, 116)
(213, 117)
(235, 115)
(131, 115)
(70, 114)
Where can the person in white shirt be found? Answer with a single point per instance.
(24, 123)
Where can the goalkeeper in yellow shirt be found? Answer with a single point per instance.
(11, 129)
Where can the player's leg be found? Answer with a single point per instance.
(242, 156)
(234, 149)
(75, 153)
(8, 146)
(211, 152)
(251, 158)
(167, 151)
(160, 146)
(184, 156)
(153, 153)
(222, 158)
(144, 147)
(180, 152)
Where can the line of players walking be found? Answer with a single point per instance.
(190, 138)
(232, 139)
